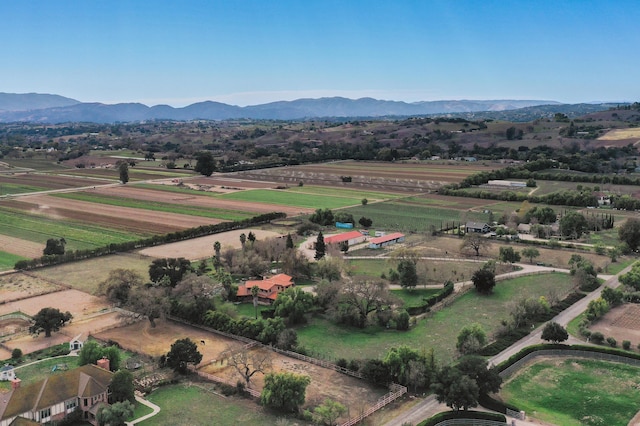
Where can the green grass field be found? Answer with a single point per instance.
(79, 236)
(287, 198)
(8, 260)
(209, 212)
(576, 392)
(404, 216)
(41, 370)
(187, 404)
(414, 297)
(438, 331)
(342, 192)
(15, 188)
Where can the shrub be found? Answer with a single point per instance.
(597, 337)
(16, 354)
(612, 342)
(626, 345)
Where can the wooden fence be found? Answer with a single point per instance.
(396, 392)
(217, 379)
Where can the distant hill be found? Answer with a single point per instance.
(57, 109)
(32, 101)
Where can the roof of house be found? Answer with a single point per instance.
(21, 421)
(6, 367)
(385, 238)
(267, 284)
(85, 381)
(345, 236)
(476, 225)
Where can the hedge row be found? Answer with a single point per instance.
(448, 415)
(185, 234)
(431, 300)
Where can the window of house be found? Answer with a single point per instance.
(70, 405)
(45, 413)
(86, 402)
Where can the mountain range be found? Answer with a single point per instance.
(46, 108)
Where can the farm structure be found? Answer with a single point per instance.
(76, 343)
(85, 388)
(386, 240)
(507, 183)
(351, 238)
(476, 227)
(7, 372)
(269, 288)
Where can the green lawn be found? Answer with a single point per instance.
(416, 296)
(41, 370)
(15, 188)
(408, 216)
(288, 198)
(223, 214)
(343, 192)
(576, 392)
(438, 331)
(78, 235)
(188, 404)
(8, 260)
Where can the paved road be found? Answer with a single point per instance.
(430, 406)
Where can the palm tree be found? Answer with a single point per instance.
(254, 292)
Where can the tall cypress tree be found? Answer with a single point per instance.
(320, 246)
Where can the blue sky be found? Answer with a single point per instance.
(246, 52)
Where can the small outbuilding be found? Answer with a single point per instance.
(386, 240)
(7, 373)
(76, 343)
(352, 238)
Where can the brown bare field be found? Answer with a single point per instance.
(141, 337)
(127, 218)
(45, 181)
(325, 383)
(398, 177)
(621, 134)
(19, 285)
(88, 274)
(201, 248)
(621, 323)
(222, 180)
(20, 247)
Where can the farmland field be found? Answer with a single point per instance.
(438, 331)
(286, 198)
(576, 392)
(409, 215)
(7, 260)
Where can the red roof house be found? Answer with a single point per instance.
(269, 288)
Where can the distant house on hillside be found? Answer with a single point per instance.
(269, 289)
(84, 388)
(385, 240)
(603, 198)
(507, 183)
(475, 227)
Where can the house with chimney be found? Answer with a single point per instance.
(84, 388)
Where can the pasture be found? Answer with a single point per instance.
(187, 404)
(576, 392)
(8, 260)
(438, 330)
(295, 199)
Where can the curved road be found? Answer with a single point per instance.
(430, 406)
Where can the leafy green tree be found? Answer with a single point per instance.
(613, 296)
(530, 253)
(328, 412)
(629, 233)
(183, 352)
(471, 338)
(122, 388)
(397, 362)
(632, 278)
(408, 274)
(292, 304)
(484, 281)
(54, 246)
(118, 284)
(48, 320)
(554, 332)
(509, 255)
(322, 217)
(172, 268)
(543, 215)
(455, 389)
(115, 414)
(90, 353)
(487, 378)
(573, 225)
(320, 247)
(123, 170)
(364, 201)
(205, 163)
(289, 244)
(284, 391)
(365, 222)
(597, 308)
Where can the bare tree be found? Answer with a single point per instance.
(475, 242)
(149, 301)
(247, 363)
